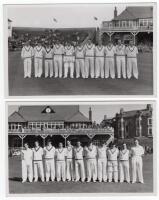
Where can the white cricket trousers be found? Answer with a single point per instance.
(80, 67)
(79, 170)
(27, 67)
(113, 170)
(89, 66)
(67, 66)
(137, 169)
(102, 169)
(38, 67)
(27, 170)
(50, 169)
(99, 67)
(91, 169)
(69, 169)
(124, 171)
(38, 167)
(109, 67)
(58, 61)
(121, 67)
(48, 68)
(60, 170)
(132, 68)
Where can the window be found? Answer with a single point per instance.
(110, 24)
(150, 131)
(150, 22)
(149, 121)
(38, 125)
(9, 127)
(131, 23)
(143, 22)
(123, 23)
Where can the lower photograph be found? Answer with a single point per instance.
(77, 147)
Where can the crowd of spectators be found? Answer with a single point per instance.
(17, 40)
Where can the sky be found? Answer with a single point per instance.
(98, 111)
(72, 16)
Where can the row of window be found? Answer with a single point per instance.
(47, 125)
(130, 23)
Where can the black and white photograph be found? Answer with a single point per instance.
(81, 148)
(80, 49)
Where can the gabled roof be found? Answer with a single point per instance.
(78, 117)
(16, 117)
(133, 113)
(135, 12)
(35, 113)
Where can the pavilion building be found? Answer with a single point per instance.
(58, 123)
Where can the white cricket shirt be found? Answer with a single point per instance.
(113, 154)
(48, 53)
(137, 151)
(124, 154)
(131, 52)
(89, 50)
(120, 50)
(102, 152)
(27, 52)
(91, 152)
(58, 49)
(69, 152)
(38, 52)
(99, 51)
(60, 154)
(27, 155)
(38, 154)
(80, 51)
(78, 153)
(49, 152)
(110, 51)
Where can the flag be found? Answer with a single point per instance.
(95, 18)
(54, 19)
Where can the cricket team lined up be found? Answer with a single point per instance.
(90, 163)
(81, 61)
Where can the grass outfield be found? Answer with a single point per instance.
(16, 187)
(18, 86)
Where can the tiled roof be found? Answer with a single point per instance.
(78, 117)
(135, 12)
(16, 117)
(62, 113)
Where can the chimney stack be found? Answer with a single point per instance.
(105, 117)
(115, 12)
(149, 107)
(121, 110)
(90, 114)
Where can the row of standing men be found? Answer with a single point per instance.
(78, 163)
(83, 60)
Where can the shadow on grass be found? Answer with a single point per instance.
(17, 179)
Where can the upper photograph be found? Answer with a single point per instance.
(80, 49)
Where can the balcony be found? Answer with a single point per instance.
(82, 131)
(127, 29)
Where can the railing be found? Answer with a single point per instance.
(63, 131)
(128, 28)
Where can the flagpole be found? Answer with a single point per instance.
(96, 19)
